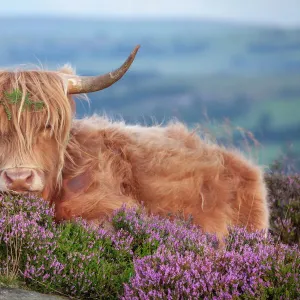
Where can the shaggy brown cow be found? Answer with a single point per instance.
(92, 166)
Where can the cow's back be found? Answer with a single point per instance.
(178, 171)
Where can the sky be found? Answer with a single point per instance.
(274, 12)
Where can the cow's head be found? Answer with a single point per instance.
(36, 112)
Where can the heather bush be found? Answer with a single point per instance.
(72, 258)
(187, 264)
(22, 227)
(284, 197)
(141, 257)
(262, 272)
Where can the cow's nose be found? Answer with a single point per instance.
(18, 179)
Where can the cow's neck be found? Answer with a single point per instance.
(79, 161)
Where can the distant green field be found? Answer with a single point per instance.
(281, 113)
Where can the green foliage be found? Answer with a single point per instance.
(141, 243)
(284, 286)
(15, 97)
(88, 258)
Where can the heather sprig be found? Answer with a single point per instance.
(15, 97)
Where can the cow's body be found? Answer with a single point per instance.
(93, 166)
(169, 169)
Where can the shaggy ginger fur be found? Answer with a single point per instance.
(93, 166)
(169, 169)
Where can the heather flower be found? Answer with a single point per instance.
(144, 257)
(243, 271)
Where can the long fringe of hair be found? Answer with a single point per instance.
(44, 86)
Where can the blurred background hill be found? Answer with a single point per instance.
(217, 73)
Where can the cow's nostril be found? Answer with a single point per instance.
(29, 178)
(7, 178)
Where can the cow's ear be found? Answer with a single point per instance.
(78, 184)
(67, 69)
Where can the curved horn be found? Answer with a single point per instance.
(89, 84)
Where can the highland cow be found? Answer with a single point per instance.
(89, 167)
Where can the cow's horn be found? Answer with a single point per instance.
(88, 84)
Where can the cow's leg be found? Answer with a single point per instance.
(91, 206)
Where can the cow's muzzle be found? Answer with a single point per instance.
(22, 180)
